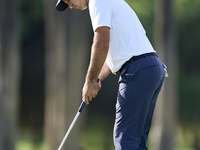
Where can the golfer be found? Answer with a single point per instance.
(120, 46)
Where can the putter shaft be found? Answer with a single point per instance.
(73, 122)
(70, 128)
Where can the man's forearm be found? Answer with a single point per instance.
(99, 53)
(98, 57)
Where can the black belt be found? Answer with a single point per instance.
(134, 58)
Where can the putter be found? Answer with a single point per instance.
(72, 124)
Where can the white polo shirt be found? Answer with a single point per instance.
(127, 35)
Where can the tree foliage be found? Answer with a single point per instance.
(188, 29)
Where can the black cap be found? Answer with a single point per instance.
(60, 6)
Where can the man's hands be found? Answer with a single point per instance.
(90, 90)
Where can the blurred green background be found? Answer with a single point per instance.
(42, 48)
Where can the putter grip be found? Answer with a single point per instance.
(83, 103)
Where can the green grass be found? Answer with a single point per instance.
(92, 143)
(29, 145)
(98, 136)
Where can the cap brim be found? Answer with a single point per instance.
(60, 6)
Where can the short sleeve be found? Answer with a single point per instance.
(100, 13)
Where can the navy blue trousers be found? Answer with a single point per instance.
(139, 85)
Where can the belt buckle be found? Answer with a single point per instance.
(118, 73)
